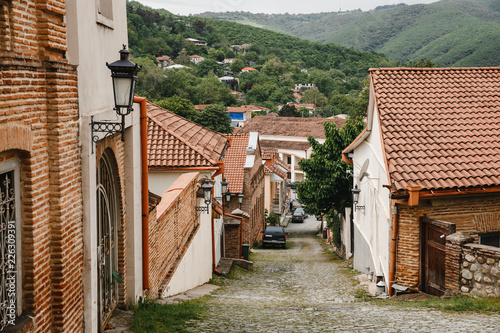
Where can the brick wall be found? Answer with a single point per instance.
(39, 126)
(469, 213)
(171, 231)
(253, 204)
(232, 239)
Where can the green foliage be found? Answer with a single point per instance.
(209, 66)
(181, 106)
(216, 118)
(326, 186)
(313, 95)
(335, 227)
(272, 219)
(237, 65)
(289, 110)
(150, 316)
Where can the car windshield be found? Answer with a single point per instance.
(274, 229)
(298, 211)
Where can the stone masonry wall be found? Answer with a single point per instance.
(171, 231)
(480, 270)
(469, 214)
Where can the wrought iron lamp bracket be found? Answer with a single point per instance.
(107, 127)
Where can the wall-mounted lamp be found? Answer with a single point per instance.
(355, 199)
(240, 198)
(124, 74)
(207, 195)
(228, 197)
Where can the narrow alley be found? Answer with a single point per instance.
(300, 289)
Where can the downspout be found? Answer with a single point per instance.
(392, 264)
(145, 191)
(214, 267)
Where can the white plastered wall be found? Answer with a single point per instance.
(371, 241)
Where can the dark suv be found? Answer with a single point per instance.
(274, 235)
(299, 215)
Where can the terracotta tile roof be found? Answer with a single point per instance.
(289, 126)
(440, 127)
(200, 107)
(175, 142)
(294, 145)
(274, 168)
(245, 108)
(234, 161)
(268, 153)
(153, 201)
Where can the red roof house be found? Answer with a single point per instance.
(428, 170)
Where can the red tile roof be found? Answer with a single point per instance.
(175, 142)
(440, 126)
(268, 153)
(234, 161)
(289, 126)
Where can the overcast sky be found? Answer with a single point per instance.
(186, 7)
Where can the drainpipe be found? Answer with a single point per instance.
(214, 266)
(145, 191)
(392, 264)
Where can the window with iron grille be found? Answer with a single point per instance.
(10, 270)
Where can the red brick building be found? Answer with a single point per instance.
(55, 180)
(244, 171)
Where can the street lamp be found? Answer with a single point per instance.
(355, 199)
(223, 185)
(228, 196)
(124, 74)
(207, 195)
(240, 198)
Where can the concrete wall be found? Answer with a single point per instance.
(195, 267)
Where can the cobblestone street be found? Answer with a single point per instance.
(300, 289)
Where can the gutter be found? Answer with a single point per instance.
(145, 192)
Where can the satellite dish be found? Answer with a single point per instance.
(362, 172)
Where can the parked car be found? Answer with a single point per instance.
(299, 215)
(274, 235)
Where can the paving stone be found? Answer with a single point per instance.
(300, 289)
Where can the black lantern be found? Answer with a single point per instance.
(223, 185)
(207, 195)
(207, 191)
(228, 195)
(355, 199)
(240, 198)
(124, 74)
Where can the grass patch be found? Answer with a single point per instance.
(460, 304)
(150, 316)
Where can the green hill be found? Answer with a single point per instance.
(450, 32)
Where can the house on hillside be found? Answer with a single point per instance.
(248, 69)
(275, 189)
(164, 61)
(196, 59)
(244, 172)
(427, 168)
(241, 114)
(182, 153)
(304, 86)
(289, 136)
(196, 42)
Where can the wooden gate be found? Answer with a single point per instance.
(433, 255)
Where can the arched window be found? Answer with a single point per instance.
(108, 216)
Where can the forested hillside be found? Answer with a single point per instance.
(280, 61)
(450, 32)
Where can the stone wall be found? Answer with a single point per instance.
(472, 269)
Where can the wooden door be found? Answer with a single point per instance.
(433, 258)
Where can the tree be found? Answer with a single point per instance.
(326, 186)
(216, 118)
(237, 65)
(289, 110)
(314, 96)
(181, 106)
(183, 58)
(209, 66)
